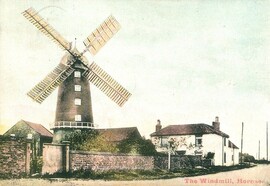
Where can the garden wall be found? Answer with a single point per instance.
(58, 158)
(107, 161)
(14, 157)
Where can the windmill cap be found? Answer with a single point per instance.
(66, 59)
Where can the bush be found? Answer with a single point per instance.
(36, 165)
(261, 161)
(195, 160)
(246, 157)
(83, 173)
(98, 144)
(135, 145)
(90, 140)
(78, 138)
(147, 148)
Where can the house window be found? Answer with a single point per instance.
(77, 74)
(78, 118)
(78, 88)
(78, 101)
(224, 157)
(164, 141)
(229, 144)
(198, 140)
(224, 139)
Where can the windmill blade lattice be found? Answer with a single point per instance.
(48, 30)
(97, 39)
(107, 84)
(43, 89)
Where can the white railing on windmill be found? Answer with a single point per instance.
(73, 124)
(94, 42)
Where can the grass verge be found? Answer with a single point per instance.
(145, 174)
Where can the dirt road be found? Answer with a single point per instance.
(257, 176)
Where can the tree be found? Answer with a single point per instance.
(78, 138)
(91, 140)
(136, 145)
(247, 157)
(98, 144)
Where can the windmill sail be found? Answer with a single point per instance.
(97, 39)
(73, 76)
(107, 84)
(48, 30)
(43, 89)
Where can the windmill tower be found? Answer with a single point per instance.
(72, 76)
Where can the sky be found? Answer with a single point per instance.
(183, 61)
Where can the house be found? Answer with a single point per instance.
(116, 135)
(197, 139)
(26, 129)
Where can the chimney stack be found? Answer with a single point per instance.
(158, 125)
(216, 124)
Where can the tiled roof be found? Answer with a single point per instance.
(188, 129)
(39, 129)
(118, 134)
(232, 145)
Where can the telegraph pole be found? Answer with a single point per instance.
(259, 151)
(267, 142)
(242, 143)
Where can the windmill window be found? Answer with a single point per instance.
(78, 101)
(77, 74)
(78, 88)
(78, 118)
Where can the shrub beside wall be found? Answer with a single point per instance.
(177, 162)
(195, 160)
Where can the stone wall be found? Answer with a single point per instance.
(107, 161)
(55, 158)
(14, 157)
(58, 158)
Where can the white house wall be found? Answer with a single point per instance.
(213, 143)
(185, 142)
(210, 143)
(230, 158)
(229, 153)
(232, 155)
(236, 156)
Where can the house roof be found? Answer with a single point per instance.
(118, 134)
(188, 129)
(232, 145)
(40, 129)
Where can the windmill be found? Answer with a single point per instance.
(73, 74)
